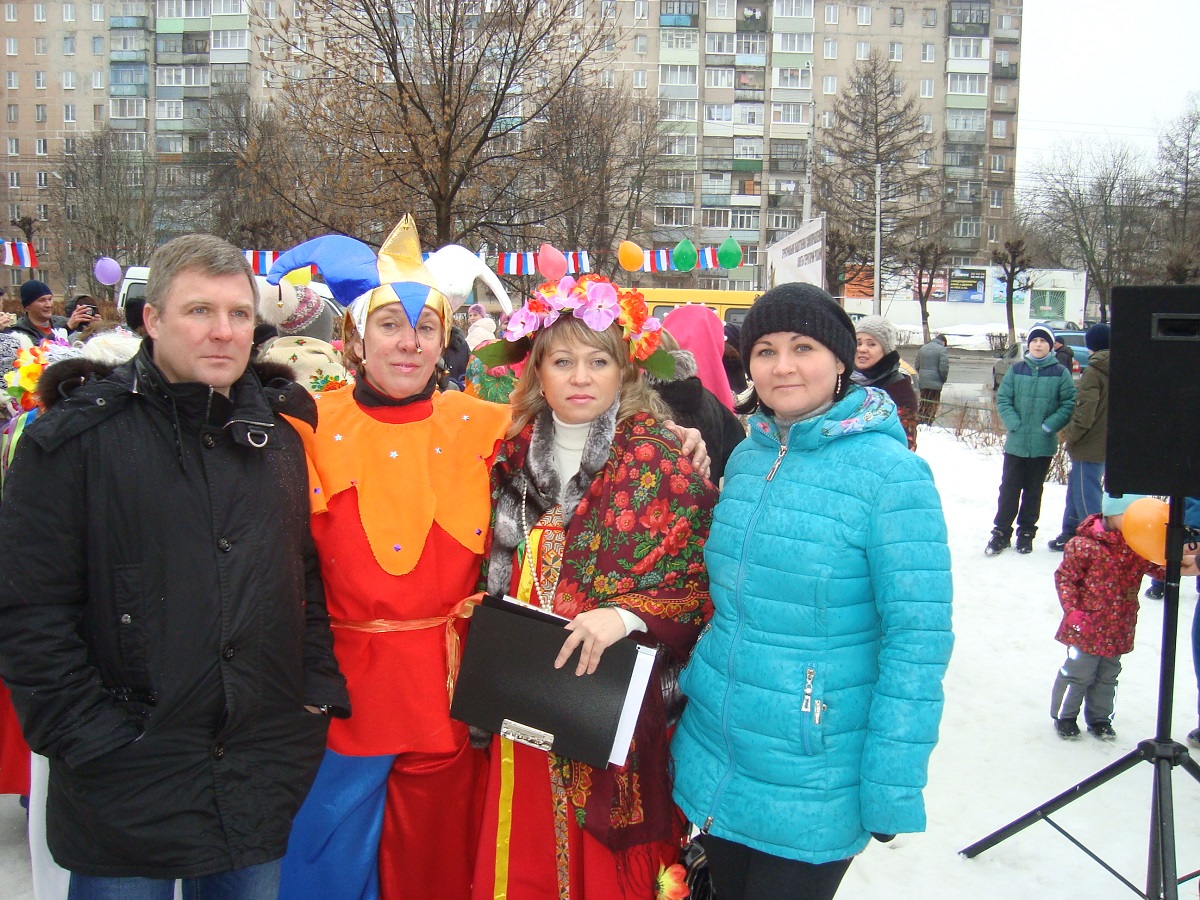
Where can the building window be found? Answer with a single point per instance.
(39, 12)
(678, 38)
(677, 110)
(789, 113)
(68, 81)
(926, 88)
(929, 17)
(1000, 93)
(41, 147)
(926, 123)
(862, 50)
(230, 40)
(641, 44)
(999, 128)
(97, 46)
(673, 216)
(181, 76)
(896, 16)
(794, 43)
(993, 233)
(14, 113)
(43, 179)
(39, 112)
(789, 78)
(720, 42)
(747, 148)
(14, 180)
(608, 78)
(69, 146)
(968, 227)
(996, 198)
(10, 12)
(960, 83)
(830, 48)
(98, 80)
(793, 8)
(640, 9)
(718, 112)
(14, 146)
(11, 80)
(39, 46)
(718, 77)
(166, 109)
(831, 14)
(864, 15)
(966, 48)
(829, 84)
(69, 45)
(639, 78)
(97, 12)
(923, 158)
(964, 120)
(68, 10)
(748, 113)
(677, 75)
(68, 112)
(714, 218)
(828, 118)
(752, 44)
(744, 219)
(997, 162)
(895, 51)
(10, 46)
(678, 145)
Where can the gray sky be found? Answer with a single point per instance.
(1103, 69)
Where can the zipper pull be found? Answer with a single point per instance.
(806, 703)
(778, 460)
(817, 710)
(707, 825)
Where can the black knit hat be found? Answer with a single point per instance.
(33, 290)
(1096, 338)
(803, 309)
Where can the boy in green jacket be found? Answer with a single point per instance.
(1035, 401)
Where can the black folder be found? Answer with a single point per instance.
(507, 684)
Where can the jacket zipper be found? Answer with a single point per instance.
(809, 705)
(729, 666)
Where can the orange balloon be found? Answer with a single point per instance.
(629, 255)
(1145, 528)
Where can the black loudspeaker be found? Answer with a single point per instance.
(1154, 392)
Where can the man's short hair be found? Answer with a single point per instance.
(202, 253)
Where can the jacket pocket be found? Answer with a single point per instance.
(134, 631)
(812, 711)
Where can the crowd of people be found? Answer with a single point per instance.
(250, 564)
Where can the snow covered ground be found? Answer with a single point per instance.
(998, 756)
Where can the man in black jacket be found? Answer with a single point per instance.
(165, 637)
(39, 321)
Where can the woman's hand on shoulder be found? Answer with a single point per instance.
(693, 447)
(593, 632)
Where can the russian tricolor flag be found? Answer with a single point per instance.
(261, 260)
(20, 254)
(516, 264)
(708, 258)
(578, 263)
(656, 260)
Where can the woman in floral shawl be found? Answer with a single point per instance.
(598, 517)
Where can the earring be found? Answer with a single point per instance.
(837, 388)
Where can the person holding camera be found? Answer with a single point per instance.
(39, 322)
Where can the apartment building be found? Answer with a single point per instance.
(746, 85)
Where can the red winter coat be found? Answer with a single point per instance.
(1100, 576)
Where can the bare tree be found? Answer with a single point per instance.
(1014, 263)
(1179, 174)
(878, 128)
(427, 106)
(1094, 204)
(105, 203)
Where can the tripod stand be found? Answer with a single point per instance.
(1160, 751)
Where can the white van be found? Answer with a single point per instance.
(133, 286)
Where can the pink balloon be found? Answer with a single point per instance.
(551, 262)
(107, 270)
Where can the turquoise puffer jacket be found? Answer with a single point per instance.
(814, 696)
(1035, 392)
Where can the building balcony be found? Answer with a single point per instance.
(718, 161)
(139, 22)
(674, 198)
(965, 137)
(127, 56)
(967, 29)
(1000, 178)
(964, 244)
(1000, 70)
(714, 199)
(786, 164)
(164, 58)
(677, 20)
(128, 90)
(1006, 35)
(748, 165)
(750, 60)
(742, 95)
(199, 92)
(196, 59)
(1009, 142)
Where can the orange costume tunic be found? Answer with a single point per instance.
(400, 512)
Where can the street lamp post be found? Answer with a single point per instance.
(877, 299)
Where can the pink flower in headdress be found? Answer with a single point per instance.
(647, 340)
(560, 295)
(600, 309)
(522, 322)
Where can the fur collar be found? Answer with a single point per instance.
(685, 367)
(534, 484)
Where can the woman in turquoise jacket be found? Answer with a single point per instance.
(814, 696)
(1035, 401)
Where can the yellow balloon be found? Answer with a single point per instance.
(629, 255)
(1145, 528)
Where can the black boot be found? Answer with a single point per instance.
(1068, 729)
(1059, 543)
(998, 543)
(1024, 541)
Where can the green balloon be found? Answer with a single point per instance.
(684, 258)
(729, 254)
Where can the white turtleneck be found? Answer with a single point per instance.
(569, 441)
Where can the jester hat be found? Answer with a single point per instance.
(363, 282)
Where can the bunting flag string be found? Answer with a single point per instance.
(708, 258)
(578, 262)
(657, 260)
(19, 254)
(261, 260)
(516, 264)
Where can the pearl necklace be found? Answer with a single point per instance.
(544, 602)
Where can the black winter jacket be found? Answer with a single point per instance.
(35, 334)
(695, 406)
(166, 625)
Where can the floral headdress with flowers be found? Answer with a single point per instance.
(21, 381)
(598, 303)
